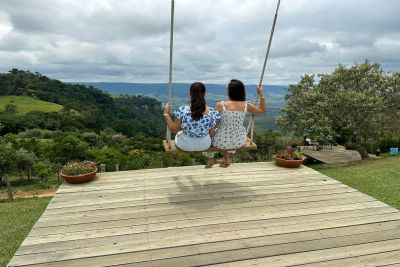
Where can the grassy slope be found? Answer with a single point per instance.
(26, 104)
(377, 178)
(16, 220)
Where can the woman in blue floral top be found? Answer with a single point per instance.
(194, 124)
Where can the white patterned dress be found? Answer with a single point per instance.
(231, 134)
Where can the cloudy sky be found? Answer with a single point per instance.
(128, 40)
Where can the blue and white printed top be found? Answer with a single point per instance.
(198, 128)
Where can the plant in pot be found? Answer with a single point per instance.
(78, 172)
(289, 157)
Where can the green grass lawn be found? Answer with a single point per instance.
(378, 178)
(26, 104)
(16, 220)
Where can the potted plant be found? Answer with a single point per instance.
(289, 157)
(79, 172)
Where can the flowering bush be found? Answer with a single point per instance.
(78, 168)
(289, 153)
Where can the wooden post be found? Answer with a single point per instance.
(193, 162)
(9, 191)
(102, 167)
(117, 167)
(269, 153)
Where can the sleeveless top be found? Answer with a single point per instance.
(231, 134)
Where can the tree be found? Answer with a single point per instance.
(7, 164)
(43, 169)
(66, 147)
(24, 161)
(10, 109)
(348, 104)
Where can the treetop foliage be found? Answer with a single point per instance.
(360, 101)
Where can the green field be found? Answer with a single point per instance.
(16, 220)
(377, 178)
(26, 104)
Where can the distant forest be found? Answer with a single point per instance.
(97, 110)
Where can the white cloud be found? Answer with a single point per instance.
(128, 40)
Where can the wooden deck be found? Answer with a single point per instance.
(336, 155)
(254, 214)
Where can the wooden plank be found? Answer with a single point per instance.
(130, 222)
(337, 155)
(221, 188)
(216, 231)
(205, 202)
(318, 255)
(206, 176)
(187, 192)
(286, 201)
(250, 195)
(177, 213)
(157, 258)
(375, 259)
(164, 234)
(163, 209)
(198, 171)
(51, 230)
(184, 196)
(180, 185)
(278, 217)
(162, 239)
(189, 200)
(189, 181)
(323, 208)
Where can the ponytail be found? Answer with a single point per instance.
(197, 101)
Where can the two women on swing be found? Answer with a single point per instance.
(198, 126)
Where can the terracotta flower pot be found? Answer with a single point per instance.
(79, 179)
(288, 163)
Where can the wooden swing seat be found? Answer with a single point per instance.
(171, 148)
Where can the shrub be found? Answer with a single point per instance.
(78, 168)
(289, 154)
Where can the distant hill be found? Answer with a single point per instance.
(180, 90)
(97, 110)
(215, 92)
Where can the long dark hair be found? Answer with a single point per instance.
(197, 101)
(236, 90)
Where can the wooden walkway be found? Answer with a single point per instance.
(254, 214)
(336, 155)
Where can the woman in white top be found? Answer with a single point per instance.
(231, 133)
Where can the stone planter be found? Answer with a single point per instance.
(79, 179)
(291, 163)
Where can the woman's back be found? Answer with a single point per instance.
(197, 128)
(231, 134)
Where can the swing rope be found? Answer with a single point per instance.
(250, 127)
(171, 44)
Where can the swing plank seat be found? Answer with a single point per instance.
(171, 148)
